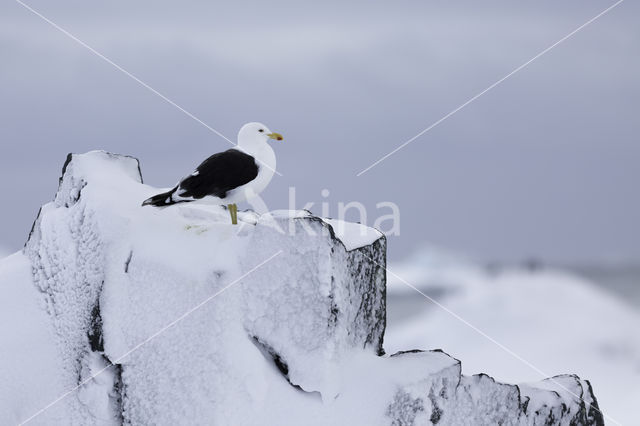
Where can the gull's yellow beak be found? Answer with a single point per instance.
(276, 136)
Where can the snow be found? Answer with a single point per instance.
(174, 316)
(30, 364)
(312, 322)
(287, 214)
(554, 320)
(353, 235)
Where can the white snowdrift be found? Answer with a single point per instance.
(30, 368)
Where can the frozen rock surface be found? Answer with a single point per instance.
(173, 316)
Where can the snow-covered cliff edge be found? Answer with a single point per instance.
(174, 316)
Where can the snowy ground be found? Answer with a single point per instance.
(553, 320)
(30, 362)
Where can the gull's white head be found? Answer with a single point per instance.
(252, 136)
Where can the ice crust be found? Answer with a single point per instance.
(279, 320)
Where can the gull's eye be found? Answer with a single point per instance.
(261, 130)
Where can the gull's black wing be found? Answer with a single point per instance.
(219, 174)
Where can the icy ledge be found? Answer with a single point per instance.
(279, 320)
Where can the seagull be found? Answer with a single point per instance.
(228, 177)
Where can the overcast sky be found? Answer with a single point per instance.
(546, 164)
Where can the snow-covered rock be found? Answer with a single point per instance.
(173, 316)
(317, 301)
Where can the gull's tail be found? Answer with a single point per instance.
(161, 200)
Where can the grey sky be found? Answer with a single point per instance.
(546, 164)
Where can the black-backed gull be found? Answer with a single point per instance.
(228, 177)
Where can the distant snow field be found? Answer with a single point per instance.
(552, 321)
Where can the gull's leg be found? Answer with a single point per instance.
(234, 221)
(233, 210)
